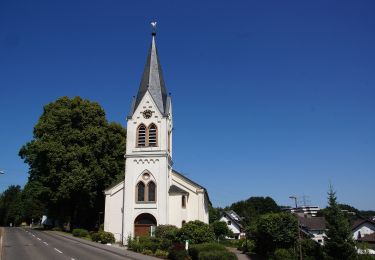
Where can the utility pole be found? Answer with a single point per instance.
(299, 233)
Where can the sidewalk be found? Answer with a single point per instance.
(116, 249)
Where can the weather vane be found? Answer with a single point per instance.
(153, 26)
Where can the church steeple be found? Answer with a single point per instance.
(153, 81)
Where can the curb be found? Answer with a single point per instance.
(2, 233)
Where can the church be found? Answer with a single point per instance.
(152, 192)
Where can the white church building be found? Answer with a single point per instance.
(152, 193)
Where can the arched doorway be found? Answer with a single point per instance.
(143, 223)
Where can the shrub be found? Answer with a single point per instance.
(247, 246)
(196, 232)
(147, 252)
(178, 255)
(149, 243)
(217, 255)
(283, 254)
(56, 229)
(196, 250)
(166, 232)
(161, 253)
(80, 232)
(103, 237)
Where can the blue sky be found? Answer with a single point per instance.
(271, 98)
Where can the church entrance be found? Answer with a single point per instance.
(143, 223)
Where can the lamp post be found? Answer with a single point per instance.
(299, 233)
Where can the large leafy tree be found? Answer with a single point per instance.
(274, 230)
(253, 207)
(11, 206)
(74, 155)
(339, 244)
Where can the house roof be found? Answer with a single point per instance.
(152, 81)
(193, 183)
(312, 223)
(360, 222)
(177, 190)
(233, 216)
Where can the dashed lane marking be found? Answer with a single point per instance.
(45, 243)
(58, 250)
(38, 238)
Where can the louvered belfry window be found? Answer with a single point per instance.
(152, 135)
(142, 135)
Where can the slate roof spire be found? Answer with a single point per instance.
(152, 80)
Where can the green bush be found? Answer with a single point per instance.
(178, 252)
(149, 243)
(56, 229)
(196, 232)
(103, 237)
(247, 246)
(196, 250)
(217, 255)
(147, 252)
(161, 253)
(166, 232)
(80, 232)
(283, 254)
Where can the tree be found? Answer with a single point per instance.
(74, 155)
(253, 207)
(11, 206)
(274, 230)
(221, 229)
(196, 232)
(339, 244)
(214, 213)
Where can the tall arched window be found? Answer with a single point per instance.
(151, 191)
(140, 191)
(152, 135)
(183, 201)
(141, 135)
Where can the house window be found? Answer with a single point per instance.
(141, 135)
(151, 191)
(152, 135)
(140, 191)
(183, 201)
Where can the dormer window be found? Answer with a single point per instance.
(147, 136)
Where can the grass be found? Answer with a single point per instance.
(88, 238)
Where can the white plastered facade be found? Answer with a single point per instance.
(157, 162)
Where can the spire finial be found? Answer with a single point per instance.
(153, 27)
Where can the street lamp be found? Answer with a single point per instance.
(299, 233)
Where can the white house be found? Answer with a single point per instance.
(152, 193)
(314, 227)
(362, 228)
(233, 222)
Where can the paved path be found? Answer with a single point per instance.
(25, 243)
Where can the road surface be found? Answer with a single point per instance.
(25, 243)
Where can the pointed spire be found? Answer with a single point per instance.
(152, 79)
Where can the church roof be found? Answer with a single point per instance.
(152, 81)
(177, 190)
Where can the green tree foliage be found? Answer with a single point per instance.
(11, 206)
(214, 213)
(253, 207)
(33, 208)
(339, 244)
(74, 155)
(196, 232)
(221, 229)
(274, 230)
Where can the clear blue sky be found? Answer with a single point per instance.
(271, 98)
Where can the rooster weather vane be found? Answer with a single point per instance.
(153, 27)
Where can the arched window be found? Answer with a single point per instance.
(151, 191)
(141, 135)
(140, 191)
(152, 135)
(183, 201)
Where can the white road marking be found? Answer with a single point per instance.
(38, 238)
(45, 243)
(33, 235)
(72, 259)
(58, 250)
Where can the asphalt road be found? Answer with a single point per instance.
(25, 243)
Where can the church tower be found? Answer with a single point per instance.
(148, 159)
